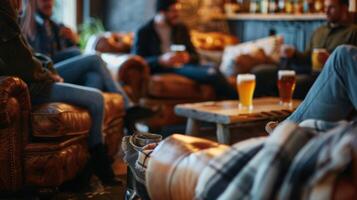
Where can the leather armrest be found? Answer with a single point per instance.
(14, 123)
(130, 70)
(13, 94)
(176, 164)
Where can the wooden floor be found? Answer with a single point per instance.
(97, 192)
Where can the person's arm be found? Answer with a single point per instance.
(194, 57)
(140, 48)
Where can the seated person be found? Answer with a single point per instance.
(84, 70)
(153, 41)
(337, 31)
(47, 36)
(45, 85)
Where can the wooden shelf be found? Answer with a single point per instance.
(275, 17)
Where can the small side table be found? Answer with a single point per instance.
(226, 113)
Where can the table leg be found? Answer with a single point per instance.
(192, 127)
(223, 134)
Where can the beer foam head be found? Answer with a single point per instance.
(245, 77)
(320, 50)
(286, 73)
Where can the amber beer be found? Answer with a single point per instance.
(317, 65)
(286, 85)
(246, 87)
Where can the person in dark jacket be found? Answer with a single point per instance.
(46, 36)
(154, 42)
(45, 85)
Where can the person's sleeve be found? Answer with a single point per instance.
(20, 62)
(140, 48)
(189, 45)
(17, 58)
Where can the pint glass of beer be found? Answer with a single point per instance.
(246, 87)
(317, 64)
(286, 85)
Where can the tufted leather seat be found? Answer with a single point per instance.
(53, 149)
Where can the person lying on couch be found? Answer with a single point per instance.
(154, 41)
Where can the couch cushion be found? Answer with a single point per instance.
(49, 164)
(59, 119)
(172, 86)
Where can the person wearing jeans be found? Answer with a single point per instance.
(155, 42)
(45, 85)
(333, 96)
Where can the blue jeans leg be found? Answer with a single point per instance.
(208, 75)
(88, 98)
(75, 69)
(333, 96)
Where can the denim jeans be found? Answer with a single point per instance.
(334, 94)
(205, 75)
(90, 71)
(88, 98)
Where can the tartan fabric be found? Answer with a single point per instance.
(318, 164)
(261, 177)
(320, 125)
(222, 170)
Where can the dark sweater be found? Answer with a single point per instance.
(16, 58)
(148, 45)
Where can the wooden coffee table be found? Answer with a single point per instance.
(227, 113)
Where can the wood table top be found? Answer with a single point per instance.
(228, 112)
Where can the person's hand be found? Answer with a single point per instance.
(69, 34)
(57, 78)
(174, 59)
(323, 56)
(287, 51)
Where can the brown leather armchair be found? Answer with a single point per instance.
(45, 145)
(177, 163)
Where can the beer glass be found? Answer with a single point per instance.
(286, 85)
(316, 63)
(246, 86)
(177, 49)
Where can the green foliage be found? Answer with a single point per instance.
(92, 27)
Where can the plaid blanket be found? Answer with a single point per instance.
(316, 167)
(221, 171)
(263, 174)
(295, 162)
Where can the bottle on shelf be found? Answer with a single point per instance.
(298, 7)
(289, 6)
(254, 6)
(319, 6)
(273, 6)
(281, 6)
(264, 7)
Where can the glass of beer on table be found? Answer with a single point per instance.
(246, 86)
(286, 86)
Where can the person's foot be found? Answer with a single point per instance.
(134, 114)
(138, 112)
